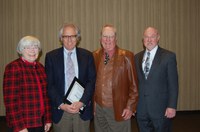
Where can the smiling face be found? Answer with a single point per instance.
(29, 48)
(30, 53)
(69, 38)
(108, 38)
(150, 38)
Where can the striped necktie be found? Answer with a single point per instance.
(147, 65)
(70, 71)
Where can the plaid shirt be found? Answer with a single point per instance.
(22, 97)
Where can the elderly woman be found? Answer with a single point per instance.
(24, 90)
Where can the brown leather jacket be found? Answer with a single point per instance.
(124, 82)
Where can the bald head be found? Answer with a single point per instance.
(151, 30)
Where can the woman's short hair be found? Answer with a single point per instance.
(77, 30)
(28, 41)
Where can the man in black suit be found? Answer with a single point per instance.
(67, 117)
(158, 85)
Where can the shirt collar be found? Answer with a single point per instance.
(110, 53)
(153, 51)
(67, 51)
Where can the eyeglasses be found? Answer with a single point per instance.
(29, 47)
(72, 37)
(108, 37)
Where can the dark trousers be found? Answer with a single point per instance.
(148, 124)
(35, 129)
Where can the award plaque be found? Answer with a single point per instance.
(74, 93)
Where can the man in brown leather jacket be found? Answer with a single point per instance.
(116, 93)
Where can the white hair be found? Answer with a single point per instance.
(28, 41)
(77, 30)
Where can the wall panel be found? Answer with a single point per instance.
(177, 21)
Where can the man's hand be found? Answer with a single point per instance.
(73, 108)
(170, 112)
(127, 113)
(77, 105)
(68, 108)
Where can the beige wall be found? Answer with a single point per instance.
(177, 20)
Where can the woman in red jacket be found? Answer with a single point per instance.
(24, 90)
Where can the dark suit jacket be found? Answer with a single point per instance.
(160, 90)
(54, 65)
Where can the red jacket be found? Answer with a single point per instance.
(22, 95)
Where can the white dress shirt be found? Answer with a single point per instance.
(152, 55)
(75, 63)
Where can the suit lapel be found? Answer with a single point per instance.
(156, 62)
(59, 59)
(140, 63)
(80, 61)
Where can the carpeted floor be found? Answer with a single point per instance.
(185, 121)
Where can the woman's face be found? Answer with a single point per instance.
(30, 53)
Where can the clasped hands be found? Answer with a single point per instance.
(73, 108)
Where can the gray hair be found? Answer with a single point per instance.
(110, 26)
(27, 41)
(77, 30)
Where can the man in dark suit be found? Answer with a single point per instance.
(60, 75)
(158, 85)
